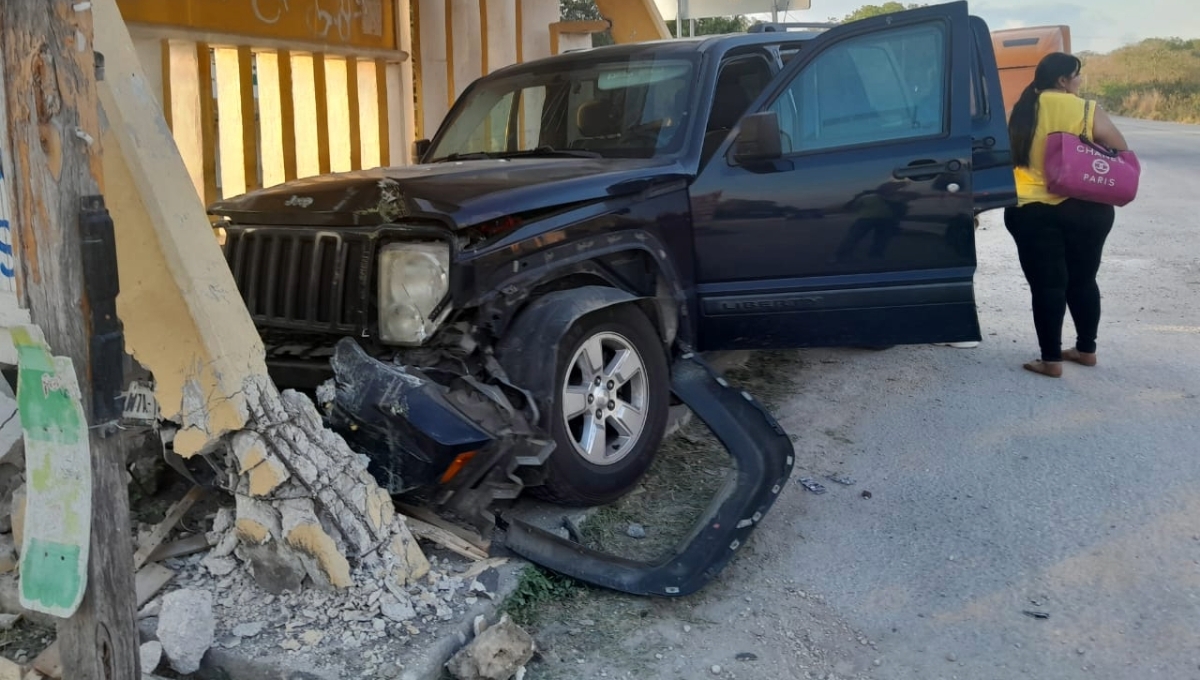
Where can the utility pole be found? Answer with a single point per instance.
(66, 265)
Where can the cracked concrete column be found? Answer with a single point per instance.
(186, 323)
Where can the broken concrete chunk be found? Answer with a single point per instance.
(151, 610)
(411, 564)
(398, 611)
(255, 460)
(151, 656)
(497, 654)
(186, 628)
(302, 530)
(249, 630)
(219, 566)
(275, 567)
(223, 521)
(7, 621)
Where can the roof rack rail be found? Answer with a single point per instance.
(783, 27)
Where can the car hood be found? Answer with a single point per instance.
(459, 193)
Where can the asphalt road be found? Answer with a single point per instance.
(997, 492)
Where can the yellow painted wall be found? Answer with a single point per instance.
(461, 40)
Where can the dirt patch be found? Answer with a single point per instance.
(691, 467)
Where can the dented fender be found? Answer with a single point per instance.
(764, 458)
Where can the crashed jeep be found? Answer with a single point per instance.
(520, 309)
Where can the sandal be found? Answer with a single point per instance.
(1083, 358)
(1051, 369)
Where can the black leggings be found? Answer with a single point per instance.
(1060, 247)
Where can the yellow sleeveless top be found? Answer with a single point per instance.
(1057, 112)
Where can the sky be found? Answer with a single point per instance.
(1096, 25)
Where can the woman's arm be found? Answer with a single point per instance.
(1106, 133)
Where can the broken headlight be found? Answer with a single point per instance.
(413, 279)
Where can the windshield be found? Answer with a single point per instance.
(627, 107)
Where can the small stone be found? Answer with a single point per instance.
(951, 657)
(1081, 651)
(153, 608)
(398, 611)
(220, 566)
(687, 628)
(186, 628)
(249, 630)
(379, 625)
(877, 662)
(716, 670)
(291, 645)
(151, 656)
(636, 530)
(312, 638)
(499, 652)
(7, 621)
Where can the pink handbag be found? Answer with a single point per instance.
(1077, 167)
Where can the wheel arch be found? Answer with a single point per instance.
(658, 294)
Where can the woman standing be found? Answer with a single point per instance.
(1059, 239)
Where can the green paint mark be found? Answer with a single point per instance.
(47, 416)
(50, 574)
(30, 353)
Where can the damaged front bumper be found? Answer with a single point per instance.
(413, 435)
(400, 418)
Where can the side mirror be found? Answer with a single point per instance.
(758, 139)
(419, 149)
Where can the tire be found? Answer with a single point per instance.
(596, 461)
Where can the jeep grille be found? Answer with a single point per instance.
(304, 280)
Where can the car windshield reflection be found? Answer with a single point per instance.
(628, 107)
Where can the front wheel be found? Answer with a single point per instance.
(609, 389)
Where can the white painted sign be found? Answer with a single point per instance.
(702, 9)
(141, 408)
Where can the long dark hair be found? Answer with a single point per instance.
(1022, 122)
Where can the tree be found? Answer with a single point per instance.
(579, 10)
(585, 10)
(868, 11)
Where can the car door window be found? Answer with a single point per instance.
(739, 83)
(874, 88)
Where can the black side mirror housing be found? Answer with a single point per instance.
(419, 148)
(758, 139)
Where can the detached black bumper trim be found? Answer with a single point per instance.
(764, 456)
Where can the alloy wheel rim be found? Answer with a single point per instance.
(604, 398)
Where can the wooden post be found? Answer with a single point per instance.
(54, 131)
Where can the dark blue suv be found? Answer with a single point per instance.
(505, 314)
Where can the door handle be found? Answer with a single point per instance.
(926, 169)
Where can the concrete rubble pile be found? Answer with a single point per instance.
(307, 509)
(307, 559)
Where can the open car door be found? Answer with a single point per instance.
(840, 210)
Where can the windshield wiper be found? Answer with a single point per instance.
(469, 156)
(540, 152)
(551, 151)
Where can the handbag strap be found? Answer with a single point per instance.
(1087, 109)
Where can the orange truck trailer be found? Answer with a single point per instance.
(1018, 51)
